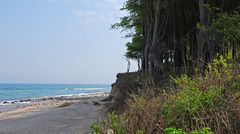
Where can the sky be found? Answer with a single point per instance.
(61, 41)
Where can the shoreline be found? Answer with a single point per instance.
(64, 118)
(20, 108)
(35, 99)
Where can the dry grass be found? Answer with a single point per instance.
(148, 115)
(193, 103)
(200, 102)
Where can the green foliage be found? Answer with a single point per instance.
(180, 131)
(140, 132)
(166, 111)
(138, 102)
(112, 121)
(190, 100)
(132, 23)
(116, 123)
(134, 48)
(227, 26)
(183, 81)
(174, 131)
(221, 66)
(96, 129)
(199, 94)
(193, 95)
(236, 84)
(180, 27)
(203, 131)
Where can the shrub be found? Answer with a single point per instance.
(209, 100)
(96, 129)
(112, 122)
(203, 131)
(173, 131)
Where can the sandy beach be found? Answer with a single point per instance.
(53, 115)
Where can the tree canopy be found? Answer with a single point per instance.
(179, 36)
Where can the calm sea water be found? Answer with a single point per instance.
(10, 92)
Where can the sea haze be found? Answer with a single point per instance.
(10, 92)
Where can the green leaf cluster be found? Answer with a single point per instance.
(180, 131)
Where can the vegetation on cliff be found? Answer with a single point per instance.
(197, 105)
(189, 72)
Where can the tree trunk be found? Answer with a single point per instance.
(157, 63)
(149, 32)
(202, 35)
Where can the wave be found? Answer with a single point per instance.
(44, 98)
(81, 89)
(14, 102)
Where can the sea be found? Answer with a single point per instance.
(11, 92)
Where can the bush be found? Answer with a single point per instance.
(96, 129)
(210, 100)
(174, 131)
(112, 122)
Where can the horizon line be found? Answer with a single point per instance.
(55, 83)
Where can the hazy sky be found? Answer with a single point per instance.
(60, 41)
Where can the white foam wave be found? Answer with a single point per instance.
(81, 89)
(7, 103)
(65, 96)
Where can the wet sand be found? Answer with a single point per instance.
(70, 116)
